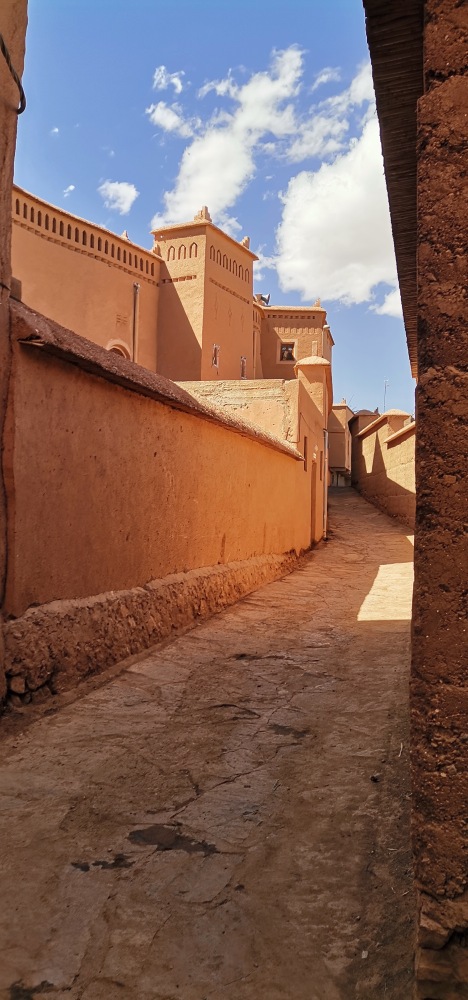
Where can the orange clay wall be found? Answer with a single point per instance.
(109, 489)
(384, 465)
(83, 277)
(304, 328)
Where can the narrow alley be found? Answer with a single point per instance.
(228, 816)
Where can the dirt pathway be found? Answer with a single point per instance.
(227, 818)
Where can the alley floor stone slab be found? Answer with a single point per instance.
(228, 817)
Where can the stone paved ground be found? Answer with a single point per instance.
(228, 817)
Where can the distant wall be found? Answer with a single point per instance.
(384, 464)
(83, 277)
(110, 486)
(283, 408)
(305, 329)
(339, 441)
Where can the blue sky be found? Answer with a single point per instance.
(139, 113)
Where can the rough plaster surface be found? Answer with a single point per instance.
(384, 466)
(229, 816)
(13, 27)
(55, 646)
(439, 694)
(131, 488)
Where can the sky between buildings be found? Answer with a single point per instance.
(141, 112)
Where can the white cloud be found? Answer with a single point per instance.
(391, 305)
(68, 190)
(321, 136)
(223, 88)
(118, 195)
(334, 239)
(264, 263)
(162, 79)
(219, 163)
(54, 131)
(169, 118)
(360, 90)
(329, 74)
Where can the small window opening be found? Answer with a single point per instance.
(215, 356)
(243, 367)
(287, 352)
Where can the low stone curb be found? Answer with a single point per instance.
(52, 648)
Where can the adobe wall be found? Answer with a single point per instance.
(305, 328)
(112, 486)
(339, 438)
(205, 299)
(286, 410)
(383, 464)
(181, 303)
(439, 689)
(13, 27)
(83, 277)
(228, 319)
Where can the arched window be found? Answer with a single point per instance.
(61, 229)
(171, 253)
(212, 253)
(152, 270)
(46, 222)
(234, 268)
(125, 256)
(54, 225)
(39, 218)
(99, 243)
(218, 256)
(91, 241)
(77, 235)
(193, 250)
(25, 211)
(225, 260)
(118, 253)
(106, 246)
(141, 263)
(84, 238)
(31, 215)
(241, 271)
(17, 206)
(112, 249)
(182, 252)
(68, 232)
(247, 274)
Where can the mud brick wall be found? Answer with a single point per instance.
(116, 478)
(383, 465)
(440, 631)
(13, 28)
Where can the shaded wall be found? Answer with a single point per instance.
(84, 277)
(339, 443)
(13, 27)
(383, 464)
(439, 688)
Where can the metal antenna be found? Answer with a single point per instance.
(386, 383)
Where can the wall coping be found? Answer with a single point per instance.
(31, 329)
(381, 420)
(403, 432)
(91, 229)
(166, 232)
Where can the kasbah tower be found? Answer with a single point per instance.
(210, 325)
